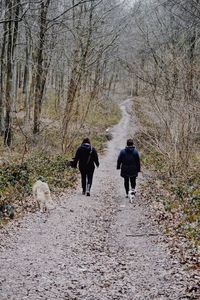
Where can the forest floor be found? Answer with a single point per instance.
(92, 248)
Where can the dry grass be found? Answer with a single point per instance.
(177, 193)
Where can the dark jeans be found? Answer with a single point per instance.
(86, 178)
(126, 183)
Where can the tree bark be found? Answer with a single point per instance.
(13, 13)
(2, 80)
(40, 73)
(8, 100)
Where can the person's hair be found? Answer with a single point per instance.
(86, 141)
(129, 142)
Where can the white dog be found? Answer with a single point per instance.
(131, 195)
(42, 195)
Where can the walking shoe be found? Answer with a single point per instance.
(83, 193)
(88, 194)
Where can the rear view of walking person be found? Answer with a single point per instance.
(86, 157)
(129, 163)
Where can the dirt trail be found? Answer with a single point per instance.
(91, 248)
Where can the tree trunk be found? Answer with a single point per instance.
(13, 13)
(40, 73)
(78, 71)
(2, 81)
(7, 134)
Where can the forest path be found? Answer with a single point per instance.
(91, 248)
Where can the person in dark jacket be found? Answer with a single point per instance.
(129, 163)
(86, 157)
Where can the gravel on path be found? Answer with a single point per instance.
(92, 248)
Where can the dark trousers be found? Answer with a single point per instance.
(86, 179)
(126, 183)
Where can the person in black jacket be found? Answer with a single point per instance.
(129, 163)
(87, 157)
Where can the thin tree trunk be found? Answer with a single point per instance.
(13, 10)
(78, 71)
(7, 135)
(26, 83)
(2, 128)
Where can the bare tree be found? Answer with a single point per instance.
(63, 51)
(164, 59)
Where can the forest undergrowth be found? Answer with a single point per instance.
(29, 157)
(175, 197)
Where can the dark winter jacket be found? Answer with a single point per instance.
(129, 162)
(86, 156)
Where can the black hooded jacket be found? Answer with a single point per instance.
(87, 157)
(129, 162)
